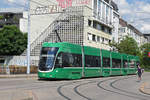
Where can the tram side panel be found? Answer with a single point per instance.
(92, 67)
(71, 62)
(106, 63)
(116, 63)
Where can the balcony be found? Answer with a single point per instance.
(104, 21)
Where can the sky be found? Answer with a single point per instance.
(135, 12)
(13, 3)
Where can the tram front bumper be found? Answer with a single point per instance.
(45, 75)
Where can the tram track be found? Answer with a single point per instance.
(127, 94)
(59, 89)
(60, 92)
(121, 90)
(77, 91)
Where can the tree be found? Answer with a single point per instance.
(12, 41)
(1, 17)
(128, 45)
(145, 60)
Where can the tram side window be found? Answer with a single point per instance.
(77, 60)
(92, 61)
(58, 63)
(132, 63)
(125, 64)
(106, 62)
(116, 63)
(68, 60)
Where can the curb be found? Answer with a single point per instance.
(19, 76)
(145, 88)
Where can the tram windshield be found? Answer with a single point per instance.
(47, 58)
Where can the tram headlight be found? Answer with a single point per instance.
(50, 75)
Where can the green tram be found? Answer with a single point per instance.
(70, 61)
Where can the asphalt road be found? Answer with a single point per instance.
(103, 88)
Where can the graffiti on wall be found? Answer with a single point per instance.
(68, 3)
(64, 3)
(48, 10)
(87, 2)
(61, 5)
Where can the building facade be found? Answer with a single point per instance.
(148, 37)
(126, 29)
(116, 17)
(14, 16)
(86, 22)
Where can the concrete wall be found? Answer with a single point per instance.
(40, 22)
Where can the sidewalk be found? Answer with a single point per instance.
(145, 88)
(19, 76)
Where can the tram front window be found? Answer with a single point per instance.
(47, 58)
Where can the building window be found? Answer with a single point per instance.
(95, 7)
(110, 15)
(94, 24)
(98, 38)
(107, 14)
(89, 36)
(106, 41)
(94, 37)
(99, 27)
(2, 61)
(102, 40)
(122, 30)
(110, 31)
(106, 30)
(99, 8)
(103, 12)
(109, 41)
(103, 28)
(89, 22)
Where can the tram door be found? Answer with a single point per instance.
(106, 66)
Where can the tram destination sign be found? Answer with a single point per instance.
(58, 8)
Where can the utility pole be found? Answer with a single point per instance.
(28, 45)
